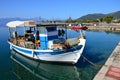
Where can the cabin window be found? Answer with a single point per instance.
(42, 30)
(20, 31)
(50, 29)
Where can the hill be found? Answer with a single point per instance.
(92, 16)
(115, 14)
(100, 15)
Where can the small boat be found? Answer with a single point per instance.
(45, 41)
(77, 27)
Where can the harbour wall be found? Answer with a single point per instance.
(105, 28)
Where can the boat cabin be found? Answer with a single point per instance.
(49, 34)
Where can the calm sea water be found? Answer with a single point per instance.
(99, 46)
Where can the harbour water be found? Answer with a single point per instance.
(99, 46)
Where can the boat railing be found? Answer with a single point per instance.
(69, 43)
(20, 41)
(72, 41)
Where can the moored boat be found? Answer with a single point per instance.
(46, 41)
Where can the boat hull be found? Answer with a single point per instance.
(50, 55)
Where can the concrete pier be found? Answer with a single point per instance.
(111, 69)
(105, 28)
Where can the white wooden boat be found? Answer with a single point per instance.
(46, 42)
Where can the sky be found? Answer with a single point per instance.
(56, 9)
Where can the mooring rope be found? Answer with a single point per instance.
(84, 58)
(96, 65)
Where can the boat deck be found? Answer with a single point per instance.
(23, 43)
(111, 69)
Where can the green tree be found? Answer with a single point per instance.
(101, 19)
(108, 19)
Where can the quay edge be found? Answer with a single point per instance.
(110, 69)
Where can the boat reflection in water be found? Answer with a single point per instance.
(28, 69)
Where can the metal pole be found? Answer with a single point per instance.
(9, 32)
(24, 30)
(66, 31)
(16, 35)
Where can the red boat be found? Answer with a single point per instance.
(78, 27)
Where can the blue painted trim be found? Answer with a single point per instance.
(43, 42)
(23, 50)
(45, 38)
(53, 37)
(49, 29)
(43, 45)
(55, 52)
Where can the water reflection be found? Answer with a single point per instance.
(27, 69)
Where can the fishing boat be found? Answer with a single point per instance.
(46, 41)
